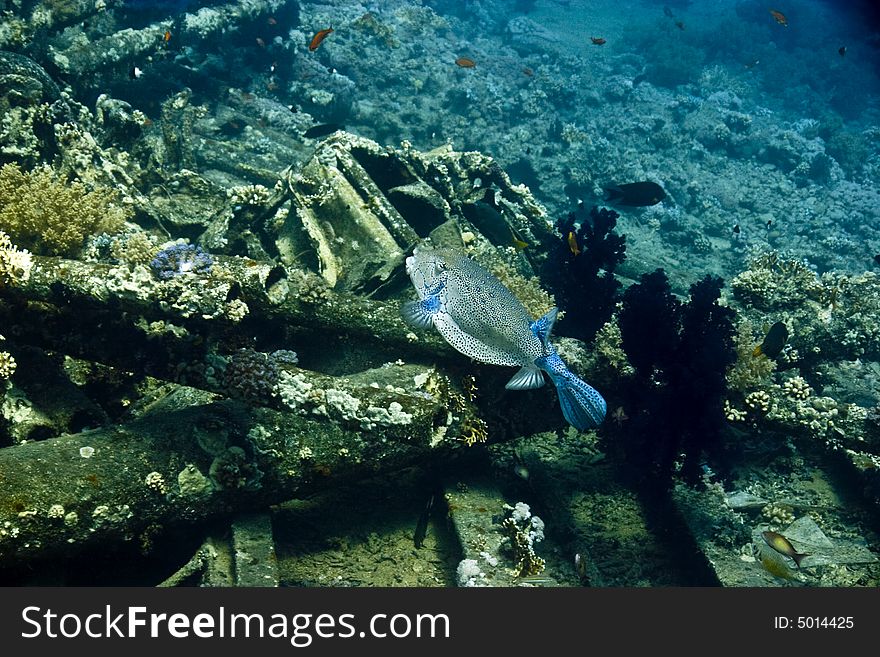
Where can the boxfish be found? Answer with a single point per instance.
(478, 316)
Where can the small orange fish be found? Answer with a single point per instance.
(597, 41)
(465, 62)
(528, 71)
(318, 38)
(573, 243)
(167, 36)
(780, 17)
(271, 20)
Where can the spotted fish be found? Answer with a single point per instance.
(482, 319)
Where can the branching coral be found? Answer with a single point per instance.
(523, 530)
(52, 216)
(751, 369)
(580, 270)
(773, 281)
(15, 264)
(686, 349)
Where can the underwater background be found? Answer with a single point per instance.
(206, 209)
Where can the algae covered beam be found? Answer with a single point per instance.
(236, 289)
(192, 458)
(130, 44)
(171, 329)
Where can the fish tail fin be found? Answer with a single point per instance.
(798, 557)
(581, 403)
(613, 193)
(757, 351)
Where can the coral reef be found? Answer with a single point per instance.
(253, 375)
(523, 531)
(181, 260)
(580, 270)
(43, 212)
(313, 256)
(774, 282)
(686, 348)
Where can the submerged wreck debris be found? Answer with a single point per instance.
(87, 57)
(167, 331)
(148, 380)
(192, 456)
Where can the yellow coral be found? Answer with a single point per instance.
(474, 431)
(609, 345)
(42, 211)
(751, 370)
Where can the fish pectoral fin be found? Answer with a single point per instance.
(542, 328)
(527, 378)
(420, 314)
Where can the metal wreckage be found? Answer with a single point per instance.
(145, 404)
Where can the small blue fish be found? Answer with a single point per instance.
(482, 319)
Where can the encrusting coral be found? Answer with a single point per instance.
(51, 216)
